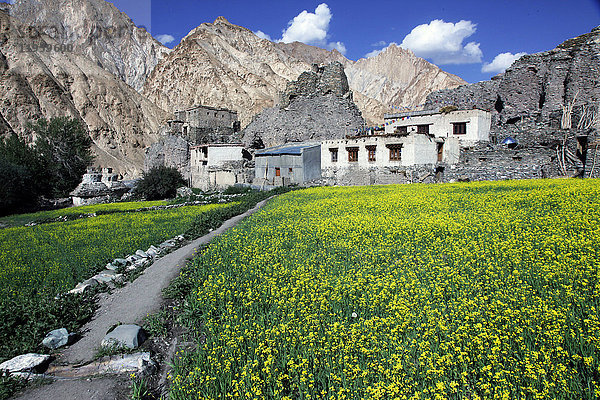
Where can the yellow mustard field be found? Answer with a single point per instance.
(462, 291)
(51, 258)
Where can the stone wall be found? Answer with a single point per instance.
(171, 151)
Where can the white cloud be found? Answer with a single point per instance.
(262, 35)
(165, 39)
(339, 46)
(312, 28)
(381, 43)
(442, 42)
(308, 27)
(501, 62)
(373, 53)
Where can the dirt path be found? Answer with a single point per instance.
(129, 304)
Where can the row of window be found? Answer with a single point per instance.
(395, 153)
(278, 171)
(458, 128)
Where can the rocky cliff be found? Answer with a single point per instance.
(39, 78)
(235, 69)
(528, 98)
(98, 30)
(317, 106)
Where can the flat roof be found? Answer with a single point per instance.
(424, 112)
(207, 108)
(294, 149)
(218, 145)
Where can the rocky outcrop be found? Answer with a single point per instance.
(51, 81)
(98, 30)
(235, 69)
(171, 151)
(316, 106)
(533, 90)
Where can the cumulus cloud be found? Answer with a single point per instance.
(165, 39)
(312, 28)
(339, 46)
(442, 42)
(381, 43)
(501, 62)
(262, 35)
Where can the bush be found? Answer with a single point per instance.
(159, 183)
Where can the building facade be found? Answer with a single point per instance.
(292, 163)
(218, 165)
(469, 127)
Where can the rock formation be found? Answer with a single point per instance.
(98, 30)
(39, 78)
(235, 69)
(527, 99)
(316, 106)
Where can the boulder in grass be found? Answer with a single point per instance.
(142, 254)
(84, 286)
(120, 262)
(112, 267)
(30, 362)
(129, 336)
(57, 338)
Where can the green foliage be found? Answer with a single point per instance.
(157, 324)
(27, 320)
(159, 183)
(10, 385)
(53, 166)
(24, 177)
(65, 149)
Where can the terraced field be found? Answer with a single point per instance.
(470, 291)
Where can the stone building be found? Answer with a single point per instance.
(469, 127)
(191, 127)
(202, 124)
(218, 165)
(292, 163)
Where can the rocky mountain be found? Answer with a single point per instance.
(528, 98)
(317, 106)
(234, 68)
(98, 30)
(39, 78)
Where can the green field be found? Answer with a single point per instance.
(22, 219)
(38, 262)
(462, 291)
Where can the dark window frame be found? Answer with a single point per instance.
(334, 154)
(352, 154)
(371, 153)
(459, 128)
(395, 152)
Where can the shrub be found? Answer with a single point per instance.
(159, 183)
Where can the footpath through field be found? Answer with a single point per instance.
(129, 305)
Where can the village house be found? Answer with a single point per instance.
(291, 163)
(468, 126)
(218, 165)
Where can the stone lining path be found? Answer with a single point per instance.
(129, 304)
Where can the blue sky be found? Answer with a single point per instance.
(433, 29)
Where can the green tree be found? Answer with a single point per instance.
(65, 148)
(159, 183)
(24, 177)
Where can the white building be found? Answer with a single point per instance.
(292, 163)
(217, 166)
(388, 151)
(468, 126)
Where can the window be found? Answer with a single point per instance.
(459, 128)
(395, 152)
(371, 153)
(423, 129)
(402, 129)
(277, 172)
(334, 154)
(290, 171)
(352, 154)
